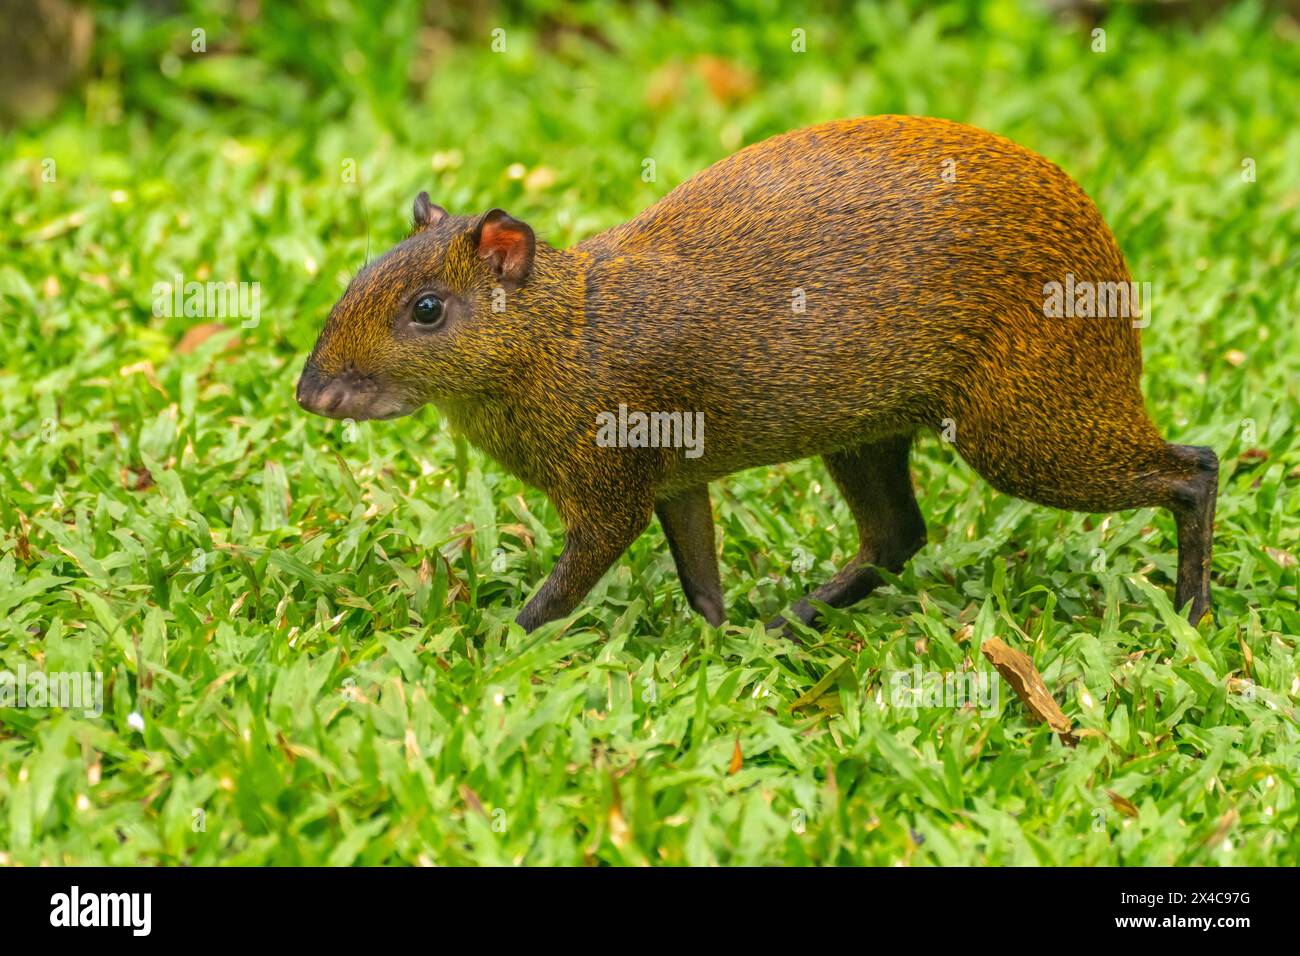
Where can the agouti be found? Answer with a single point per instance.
(829, 291)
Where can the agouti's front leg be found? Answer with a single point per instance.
(687, 520)
(591, 544)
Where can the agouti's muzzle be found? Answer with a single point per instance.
(346, 395)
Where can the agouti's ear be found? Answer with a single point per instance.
(506, 245)
(425, 213)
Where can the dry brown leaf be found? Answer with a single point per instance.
(285, 747)
(136, 478)
(146, 369)
(196, 335)
(1019, 671)
(23, 546)
(619, 831)
(462, 539)
(737, 759)
(664, 86)
(518, 531)
(1221, 831)
(1123, 804)
(457, 590)
(728, 82)
(1284, 559)
(471, 799)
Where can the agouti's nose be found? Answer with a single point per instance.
(331, 396)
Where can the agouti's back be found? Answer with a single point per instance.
(844, 281)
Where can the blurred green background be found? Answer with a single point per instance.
(312, 623)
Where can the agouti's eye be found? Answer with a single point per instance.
(427, 310)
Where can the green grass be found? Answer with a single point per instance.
(315, 623)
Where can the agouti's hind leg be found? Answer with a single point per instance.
(687, 520)
(1192, 501)
(1115, 470)
(875, 482)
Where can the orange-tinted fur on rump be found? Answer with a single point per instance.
(825, 292)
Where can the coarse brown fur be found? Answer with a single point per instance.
(828, 292)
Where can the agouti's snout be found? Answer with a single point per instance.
(348, 394)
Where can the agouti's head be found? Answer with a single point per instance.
(432, 318)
